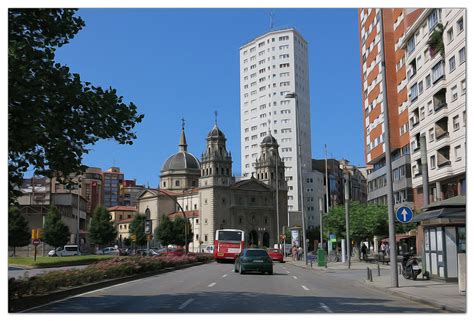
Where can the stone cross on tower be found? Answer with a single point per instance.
(215, 117)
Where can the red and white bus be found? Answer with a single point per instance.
(228, 243)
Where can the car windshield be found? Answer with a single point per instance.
(255, 253)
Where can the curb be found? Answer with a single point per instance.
(25, 303)
(441, 306)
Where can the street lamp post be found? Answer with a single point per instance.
(300, 176)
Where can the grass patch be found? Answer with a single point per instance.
(57, 261)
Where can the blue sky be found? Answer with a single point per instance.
(175, 63)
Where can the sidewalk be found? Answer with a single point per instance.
(439, 294)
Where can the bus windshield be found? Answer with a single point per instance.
(229, 236)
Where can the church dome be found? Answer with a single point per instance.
(182, 160)
(215, 133)
(269, 140)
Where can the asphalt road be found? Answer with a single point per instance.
(215, 287)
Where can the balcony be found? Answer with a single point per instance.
(439, 100)
(441, 128)
(443, 156)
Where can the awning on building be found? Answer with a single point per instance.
(451, 213)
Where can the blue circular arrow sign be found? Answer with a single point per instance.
(404, 214)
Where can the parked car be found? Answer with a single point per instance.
(208, 249)
(253, 260)
(276, 255)
(67, 250)
(172, 252)
(108, 251)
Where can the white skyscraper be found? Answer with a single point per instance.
(272, 65)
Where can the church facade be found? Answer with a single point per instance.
(211, 197)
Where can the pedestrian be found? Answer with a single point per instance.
(363, 250)
(294, 252)
(300, 253)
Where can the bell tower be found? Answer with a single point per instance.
(269, 167)
(216, 161)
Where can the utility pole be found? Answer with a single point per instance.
(327, 177)
(346, 204)
(388, 161)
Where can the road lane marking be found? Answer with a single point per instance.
(294, 277)
(185, 304)
(287, 272)
(211, 285)
(325, 307)
(305, 288)
(224, 275)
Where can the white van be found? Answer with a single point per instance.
(68, 250)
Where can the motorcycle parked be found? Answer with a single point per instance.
(410, 267)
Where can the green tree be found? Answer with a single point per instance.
(55, 232)
(102, 231)
(366, 220)
(127, 242)
(137, 228)
(19, 233)
(164, 232)
(182, 230)
(53, 115)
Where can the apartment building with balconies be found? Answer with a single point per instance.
(381, 37)
(436, 81)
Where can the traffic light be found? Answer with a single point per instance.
(34, 234)
(39, 233)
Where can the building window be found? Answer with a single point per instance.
(454, 93)
(456, 123)
(450, 35)
(205, 237)
(462, 55)
(420, 87)
(463, 86)
(433, 19)
(413, 92)
(452, 64)
(411, 45)
(437, 72)
(432, 162)
(460, 24)
(176, 183)
(457, 153)
(431, 134)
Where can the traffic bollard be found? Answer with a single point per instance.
(399, 269)
(378, 269)
(368, 273)
(371, 280)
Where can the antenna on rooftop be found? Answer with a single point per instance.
(271, 19)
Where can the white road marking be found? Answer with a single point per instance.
(287, 272)
(325, 307)
(211, 285)
(305, 288)
(185, 304)
(294, 277)
(224, 275)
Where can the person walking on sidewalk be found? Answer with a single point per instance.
(300, 253)
(363, 250)
(294, 252)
